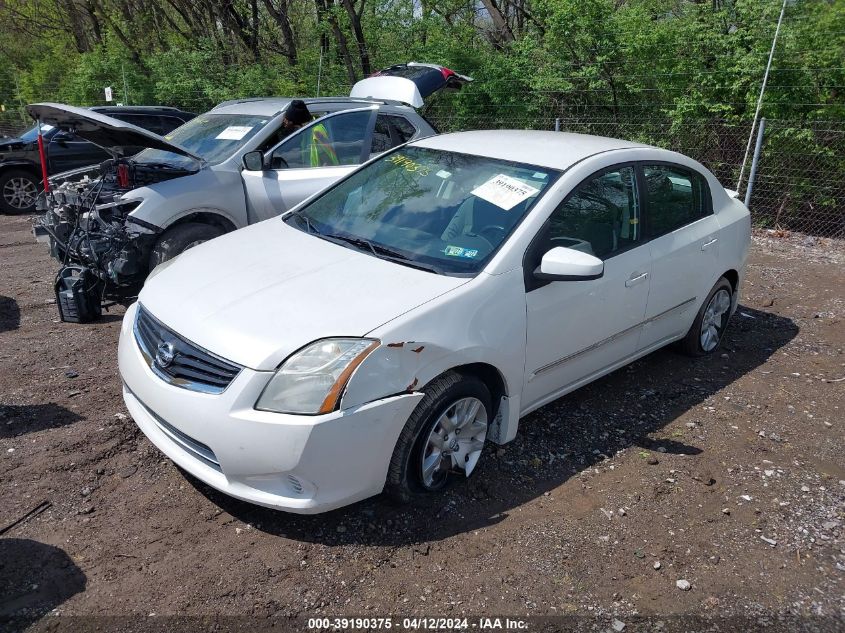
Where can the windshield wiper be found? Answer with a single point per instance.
(308, 224)
(383, 252)
(155, 165)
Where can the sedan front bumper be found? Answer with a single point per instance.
(296, 463)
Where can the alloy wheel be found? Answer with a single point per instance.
(20, 193)
(455, 441)
(715, 319)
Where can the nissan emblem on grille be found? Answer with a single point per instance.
(165, 354)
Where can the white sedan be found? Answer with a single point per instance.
(375, 337)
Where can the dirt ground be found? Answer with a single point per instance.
(726, 472)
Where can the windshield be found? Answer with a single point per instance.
(213, 137)
(31, 135)
(441, 210)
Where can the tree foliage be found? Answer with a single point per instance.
(602, 58)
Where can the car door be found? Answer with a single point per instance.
(67, 151)
(308, 161)
(683, 240)
(579, 329)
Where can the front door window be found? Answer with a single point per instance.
(331, 142)
(601, 217)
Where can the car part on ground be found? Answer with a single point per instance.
(131, 214)
(500, 270)
(19, 156)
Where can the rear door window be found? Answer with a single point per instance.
(390, 131)
(674, 196)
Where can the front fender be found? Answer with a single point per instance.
(208, 190)
(480, 322)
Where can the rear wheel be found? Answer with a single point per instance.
(705, 335)
(18, 191)
(178, 239)
(444, 436)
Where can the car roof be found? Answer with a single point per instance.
(271, 106)
(556, 150)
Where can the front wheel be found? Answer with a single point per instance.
(178, 239)
(444, 436)
(710, 323)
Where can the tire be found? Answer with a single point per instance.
(178, 239)
(696, 342)
(405, 477)
(18, 191)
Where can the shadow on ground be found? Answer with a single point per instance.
(10, 314)
(35, 578)
(18, 420)
(555, 443)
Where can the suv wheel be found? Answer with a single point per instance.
(18, 191)
(177, 240)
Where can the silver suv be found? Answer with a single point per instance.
(230, 167)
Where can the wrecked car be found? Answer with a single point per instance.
(378, 335)
(20, 168)
(224, 170)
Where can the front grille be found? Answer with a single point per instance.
(189, 366)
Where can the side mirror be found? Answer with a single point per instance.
(566, 264)
(254, 161)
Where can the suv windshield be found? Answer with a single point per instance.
(31, 135)
(435, 209)
(213, 137)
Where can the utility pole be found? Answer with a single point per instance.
(760, 98)
(125, 88)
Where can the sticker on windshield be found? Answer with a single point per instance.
(443, 174)
(234, 132)
(409, 165)
(539, 175)
(505, 192)
(46, 128)
(458, 251)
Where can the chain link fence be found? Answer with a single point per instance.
(800, 180)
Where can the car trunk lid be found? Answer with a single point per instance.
(409, 83)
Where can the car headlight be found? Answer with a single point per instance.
(311, 381)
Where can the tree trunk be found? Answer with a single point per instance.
(282, 18)
(355, 19)
(503, 33)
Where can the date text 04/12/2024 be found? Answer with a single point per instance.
(417, 623)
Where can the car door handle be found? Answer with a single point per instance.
(707, 245)
(633, 281)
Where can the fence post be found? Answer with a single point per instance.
(557, 124)
(754, 161)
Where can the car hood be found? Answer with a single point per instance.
(111, 134)
(257, 295)
(8, 144)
